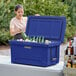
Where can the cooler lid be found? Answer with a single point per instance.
(51, 27)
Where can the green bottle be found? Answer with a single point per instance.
(43, 40)
(40, 39)
(28, 38)
(34, 38)
(31, 39)
(37, 39)
(24, 35)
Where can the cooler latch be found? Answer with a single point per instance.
(27, 47)
(54, 59)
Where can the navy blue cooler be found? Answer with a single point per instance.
(40, 54)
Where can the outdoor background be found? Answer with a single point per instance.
(43, 7)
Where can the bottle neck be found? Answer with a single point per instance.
(70, 43)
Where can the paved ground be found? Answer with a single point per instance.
(6, 51)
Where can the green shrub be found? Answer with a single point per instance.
(4, 37)
(72, 10)
(70, 31)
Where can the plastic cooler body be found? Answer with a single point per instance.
(40, 54)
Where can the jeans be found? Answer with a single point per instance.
(18, 36)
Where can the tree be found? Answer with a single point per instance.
(72, 10)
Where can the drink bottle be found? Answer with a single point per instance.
(43, 41)
(69, 62)
(74, 62)
(37, 39)
(24, 35)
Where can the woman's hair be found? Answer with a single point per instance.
(18, 6)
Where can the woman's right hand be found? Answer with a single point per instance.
(37, 15)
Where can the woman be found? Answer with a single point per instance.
(18, 23)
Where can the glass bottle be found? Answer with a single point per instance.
(24, 35)
(74, 62)
(69, 62)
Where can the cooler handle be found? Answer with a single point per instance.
(55, 56)
(27, 47)
(53, 59)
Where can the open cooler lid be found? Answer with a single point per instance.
(51, 27)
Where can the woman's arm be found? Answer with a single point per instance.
(13, 29)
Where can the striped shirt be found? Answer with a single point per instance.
(18, 25)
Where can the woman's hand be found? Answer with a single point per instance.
(37, 15)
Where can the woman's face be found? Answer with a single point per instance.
(19, 13)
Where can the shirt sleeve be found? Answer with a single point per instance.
(12, 25)
(26, 19)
